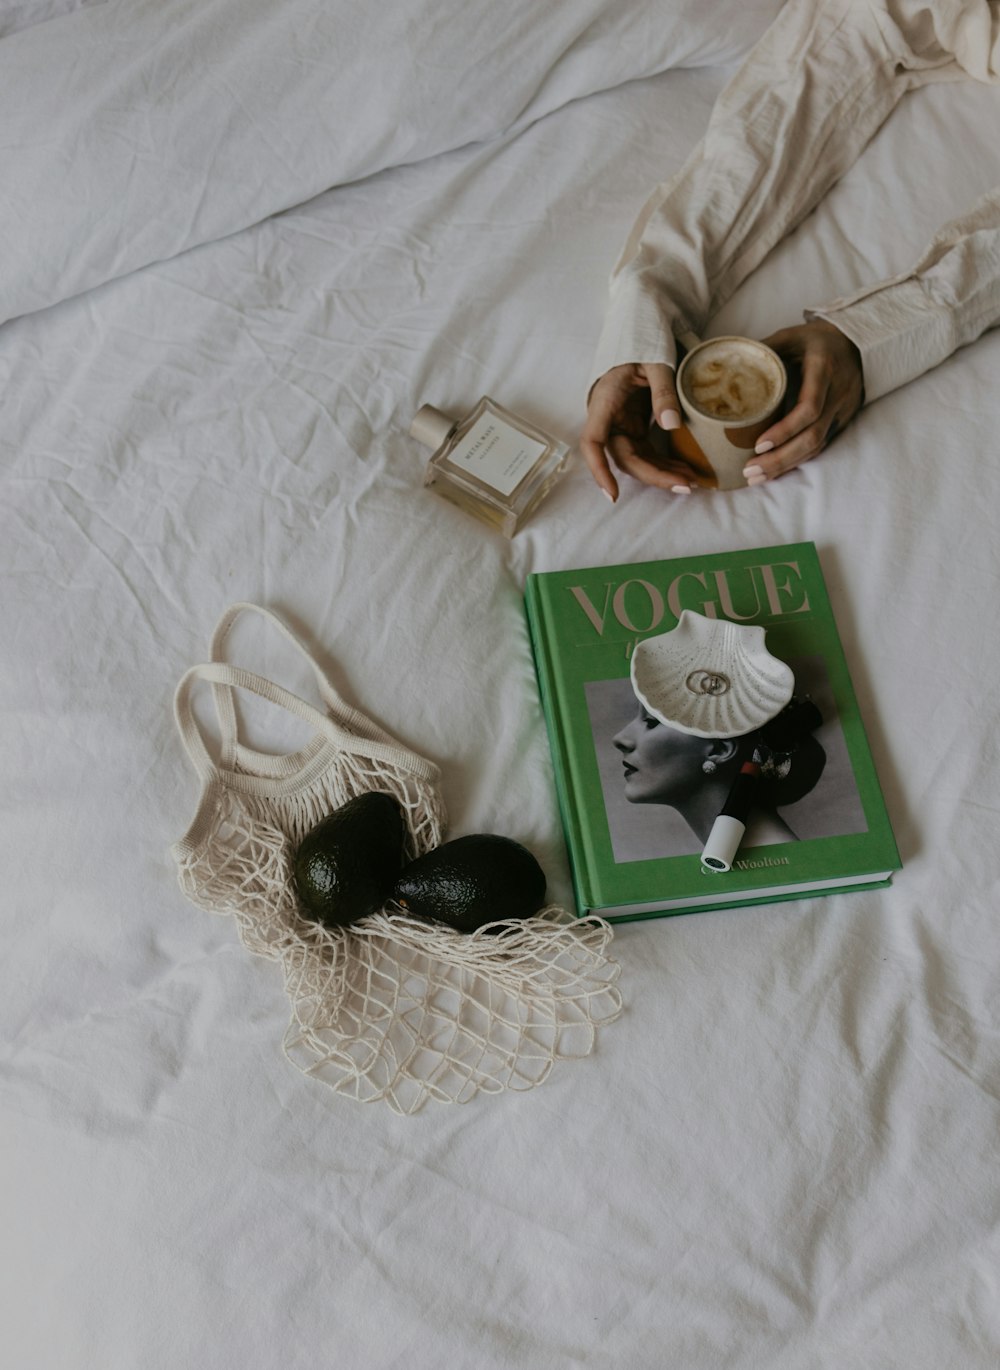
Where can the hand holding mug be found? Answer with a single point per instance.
(828, 386)
(621, 409)
(825, 391)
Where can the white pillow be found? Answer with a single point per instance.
(134, 129)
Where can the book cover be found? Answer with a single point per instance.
(633, 793)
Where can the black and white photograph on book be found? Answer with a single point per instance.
(661, 787)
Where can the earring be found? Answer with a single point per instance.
(708, 766)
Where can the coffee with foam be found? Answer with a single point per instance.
(731, 390)
(734, 380)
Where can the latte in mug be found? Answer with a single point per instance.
(734, 380)
(730, 390)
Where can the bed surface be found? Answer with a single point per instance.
(785, 1153)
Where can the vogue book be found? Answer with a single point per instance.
(637, 797)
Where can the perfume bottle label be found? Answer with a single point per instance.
(496, 453)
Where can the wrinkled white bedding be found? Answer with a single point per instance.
(786, 1153)
(177, 122)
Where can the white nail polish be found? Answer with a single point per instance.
(763, 447)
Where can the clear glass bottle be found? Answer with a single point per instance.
(491, 463)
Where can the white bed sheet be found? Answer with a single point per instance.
(786, 1152)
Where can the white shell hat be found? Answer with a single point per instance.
(710, 677)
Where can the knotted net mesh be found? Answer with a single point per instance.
(392, 1007)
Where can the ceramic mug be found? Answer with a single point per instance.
(730, 389)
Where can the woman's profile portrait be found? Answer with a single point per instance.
(693, 776)
(664, 788)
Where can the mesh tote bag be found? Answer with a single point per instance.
(391, 1007)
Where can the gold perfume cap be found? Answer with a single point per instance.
(431, 427)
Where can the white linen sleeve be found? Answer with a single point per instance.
(809, 97)
(904, 326)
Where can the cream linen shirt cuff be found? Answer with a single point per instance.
(898, 329)
(907, 325)
(638, 326)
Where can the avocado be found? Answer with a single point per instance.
(345, 867)
(471, 881)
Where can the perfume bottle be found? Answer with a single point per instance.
(491, 463)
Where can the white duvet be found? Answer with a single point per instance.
(136, 129)
(242, 243)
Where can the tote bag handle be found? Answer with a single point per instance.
(349, 729)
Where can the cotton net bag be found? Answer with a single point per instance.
(391, 1007)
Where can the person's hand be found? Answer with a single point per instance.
(620, 412)
(826, 368)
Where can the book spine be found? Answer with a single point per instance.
(559, 748)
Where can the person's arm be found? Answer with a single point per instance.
(905, 326)
(806, 101)
(861, 347)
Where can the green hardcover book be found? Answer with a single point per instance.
(635, 795)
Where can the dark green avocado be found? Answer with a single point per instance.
(345, 867)
(471, 881)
